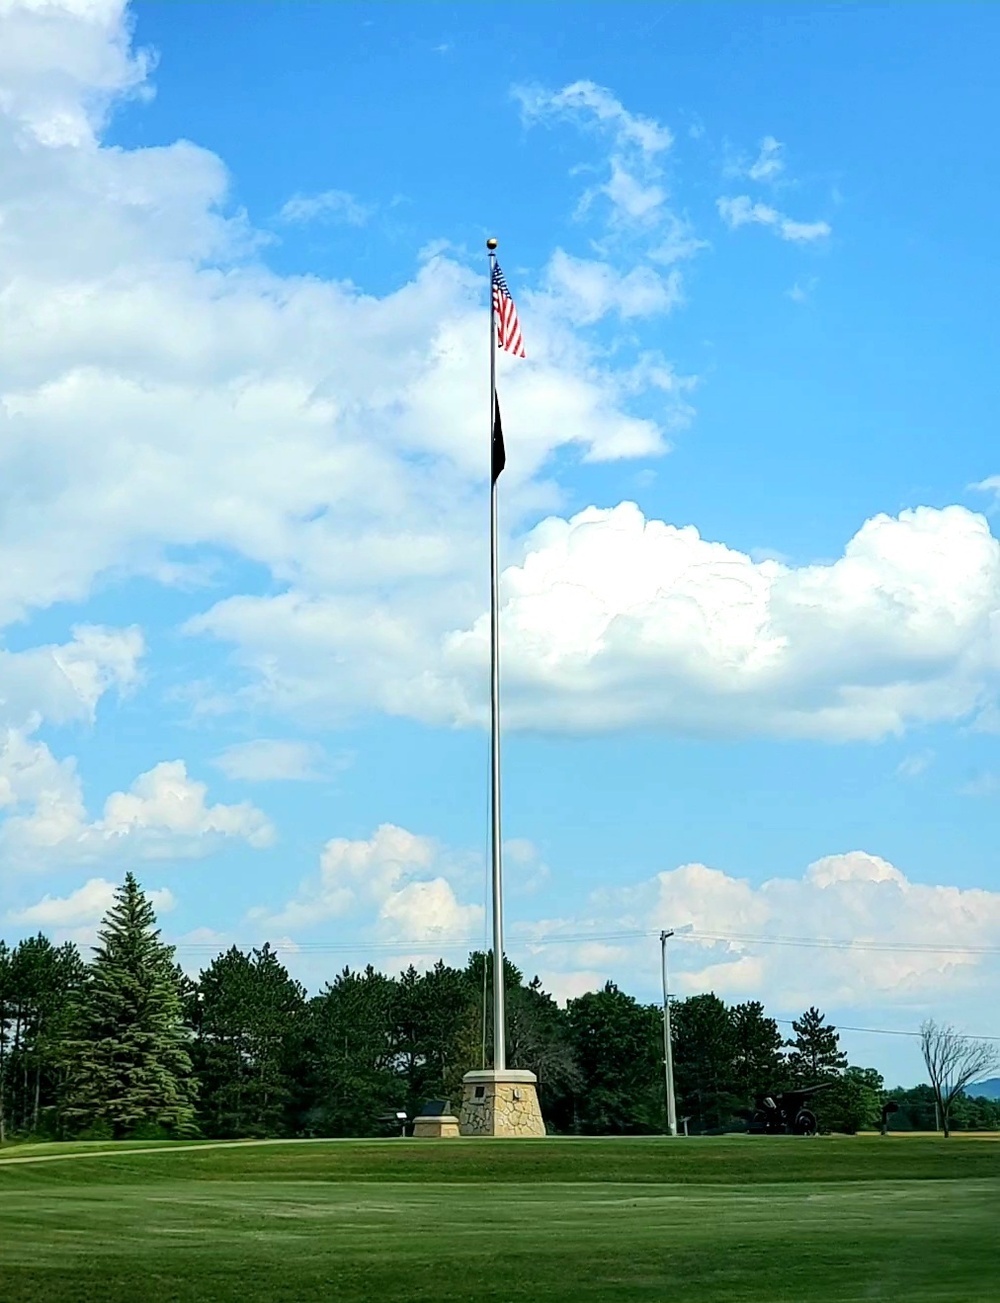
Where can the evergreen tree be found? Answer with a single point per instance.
(618, 1046)
(815, 1049)
(351, 1075)
(704, 1046)
(128, 1062)
(437, 1031)
(758, 1065)
(37, 983)
(248, 1016)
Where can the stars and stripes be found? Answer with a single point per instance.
(508, 327)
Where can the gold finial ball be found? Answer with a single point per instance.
(491, 244)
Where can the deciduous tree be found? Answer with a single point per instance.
(953, 1062)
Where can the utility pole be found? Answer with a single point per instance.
(668, 1051)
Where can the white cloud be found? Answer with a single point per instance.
(989, 485)
(164, 815)
(165, 802)
(87, 905)
(889, 941)
(595, 105)
(611, 620)
(404, 882)
(879, 939)
(61, 683)
(587, 290)
(62, 63)
(150, 359)
(336, 205)
(267, 760)
(769, 163)
(766, 169)
(633, 190)
(742, 211)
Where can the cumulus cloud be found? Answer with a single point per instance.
(876, 939)
(267, 760)
(402, 882)
(611, 620)
(880, 938)
(151, 358)
(62, 63)
(614, 620)
(85, 906)
(163, 815)
(743, 211)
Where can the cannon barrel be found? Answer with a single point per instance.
(801, 1094)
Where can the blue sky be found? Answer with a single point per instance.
(752, 587)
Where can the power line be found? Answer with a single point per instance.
(436, 947)
(580, 938)
(888, 1031)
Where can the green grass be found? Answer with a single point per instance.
(752, 1219)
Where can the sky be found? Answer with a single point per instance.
(750, 578)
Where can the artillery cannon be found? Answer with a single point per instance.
(786, 1113)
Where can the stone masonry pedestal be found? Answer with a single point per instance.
(441, 1127)
(500, 1104)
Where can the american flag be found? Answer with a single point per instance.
(508, 328)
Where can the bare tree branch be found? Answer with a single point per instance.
(953, 1062)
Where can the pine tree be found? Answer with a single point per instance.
(42, 981)
(249, 1020)
(128, 1067)
(816, 1054)
(758, 1065)
(704, 1045)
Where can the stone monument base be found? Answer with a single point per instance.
(436, 1128)
(500, 1104)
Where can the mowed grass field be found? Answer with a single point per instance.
(767, 1220)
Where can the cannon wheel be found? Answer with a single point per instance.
(758, 1122)
(805, 1123)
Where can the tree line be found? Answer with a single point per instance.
(127, 1046)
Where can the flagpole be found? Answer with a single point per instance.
(499, 1019)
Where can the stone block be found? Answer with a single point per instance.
(500, 1104)
(443, 1127)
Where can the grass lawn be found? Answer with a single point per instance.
(767, 1220)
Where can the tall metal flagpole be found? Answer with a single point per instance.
(499, 1019)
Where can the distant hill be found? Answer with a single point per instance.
(984, 1089)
